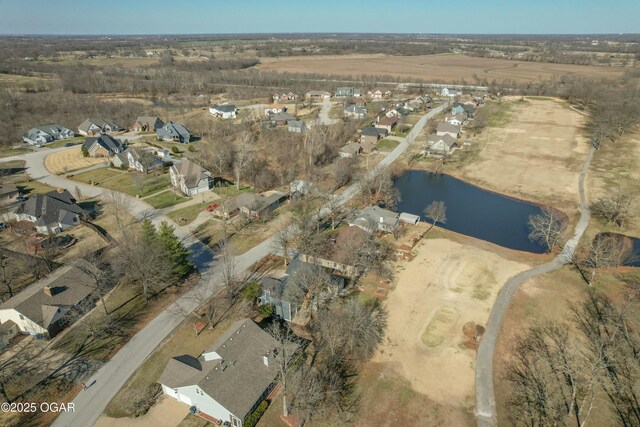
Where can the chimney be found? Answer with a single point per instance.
(48, 290)
(381, 220)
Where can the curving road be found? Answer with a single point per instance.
(485, 395)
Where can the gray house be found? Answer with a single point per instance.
(230, 379)
(348, 92)
(190, 178)
(287, 295)
(356, 111)
(147, 124)
(297, 126)
(103, 146)
(174, 132)
(51, 213)
(42, 135)
(375, 218)
(225, 111)
(92, 127)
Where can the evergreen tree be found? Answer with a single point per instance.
(149, 234)
(175, 250)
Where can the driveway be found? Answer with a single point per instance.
(167, 412)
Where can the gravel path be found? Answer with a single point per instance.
(485, 394)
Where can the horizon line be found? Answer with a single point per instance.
(290, 33)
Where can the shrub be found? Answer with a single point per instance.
(85, 152)
(253, 419)
(265, 310)
(251, 292)
(175, 150)
(191, 148)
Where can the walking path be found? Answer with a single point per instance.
(485, 393)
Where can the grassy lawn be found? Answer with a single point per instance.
(499, 113)
(22, 180)
(62, 142)
(8, 152)
(230, 190)
(187, 214)
(387, 144)
(130, 182)
(97, 175)
(165, 199)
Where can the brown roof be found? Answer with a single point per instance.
(69, 284)
(388, 121)
(239, 378)
(191, 172)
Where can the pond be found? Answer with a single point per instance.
(470, 210)
(634, 257)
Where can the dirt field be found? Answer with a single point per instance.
(445, 286)
(69, 160)
(445, 68)
(536, 155)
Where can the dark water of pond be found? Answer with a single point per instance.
(470, 210)
(634, 260)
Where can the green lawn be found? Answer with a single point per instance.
(165, 199)
(22, 180)
(78, 140)
(131, 183)
(387, 144)
(8, 152)
(97, 175)
(188, 214)
(231, 190)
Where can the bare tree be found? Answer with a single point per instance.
(283, 240)
(546, 229)
(118, 205)
(436, 212)
(227, 264)
(615, 207)
(288, 345)
(8, 273)
(243, 156)
(377, 188)
(608, 251)
(102, 275)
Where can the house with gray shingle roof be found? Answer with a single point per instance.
(375, 218)
(42, 308)
(190, 178)
(441, 145)
(103, 146)
(356, 111)
(42, 135)
(448, 129)
(297, 126)
(147, 124)
(174, 132)
(51, 213)
(92, 127)
(231, 378)
(225, 111)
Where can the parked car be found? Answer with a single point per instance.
(69, 144)
(212, 207)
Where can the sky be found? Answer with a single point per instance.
(108, 17)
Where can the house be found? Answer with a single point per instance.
(375, 218)
(147, 124)
(8, 193)
(8, 331)
(174, 132)
(348, 92)
(456, 120)
(450, 92)
(103, 146)
(228, 380)
(355, 111)
(225, 111)
(91, 127)
(379, 93)
(190, 178)
(42, 309)
(120, 160)
(387, 123)
(226, 209)
(448, 129)
(258, 205)
(42, 135)
(458, 109)
(284, 294)
(317, 94)
(299, 188)
(372, 134)
(274, 109)
(51, 213)
(297, 126)
(140, 160)
(352, 149)
(441, 145)
(285, 96)
(281, 119)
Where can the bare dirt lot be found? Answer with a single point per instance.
(69, 160)
(445, 68)
(445, 286)
(536, 154)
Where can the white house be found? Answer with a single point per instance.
(448, 129)
(274, 109)
(450, 92)
(230, 379)
(456, 120)
(226, 111)
(42, 135)
(41, 309)
(190, 178)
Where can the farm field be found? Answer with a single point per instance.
(446, 285)
(444, 68)
(533, 150)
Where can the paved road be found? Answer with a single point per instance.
(111, 377)
(485, 395)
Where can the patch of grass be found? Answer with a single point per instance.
(77, 140)
(231, 190)
(165, 199)
(132, 183)
(97, 175)
(8, 152)
(498, 113)
(387, 144)
(540, 98)
(438, 328)
(187, 214)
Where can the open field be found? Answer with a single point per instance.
(131, 183)
(446, 285)
(532, 150)
(444, 68)
(70, 160)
